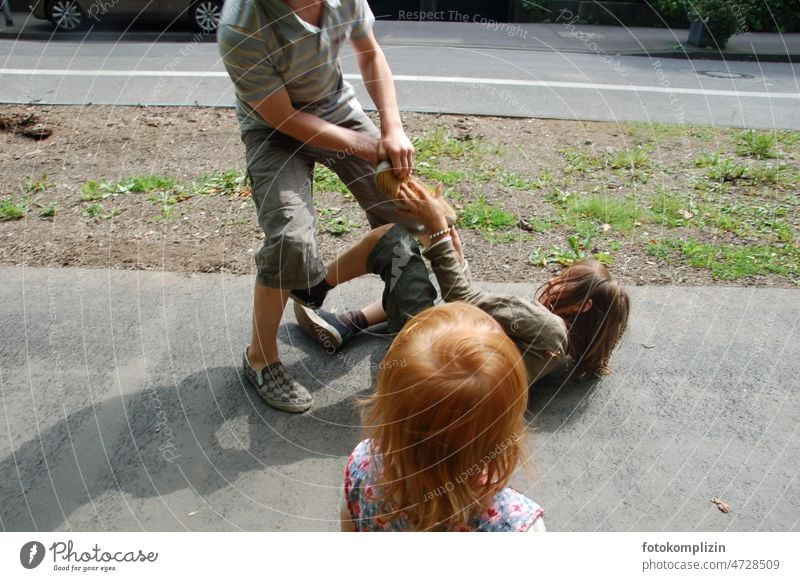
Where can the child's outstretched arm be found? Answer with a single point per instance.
(542, 335)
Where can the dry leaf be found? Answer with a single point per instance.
(722, 505)
(685, 214)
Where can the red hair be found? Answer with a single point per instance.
(447, 416)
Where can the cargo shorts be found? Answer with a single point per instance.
(408, 285)
(280, 169)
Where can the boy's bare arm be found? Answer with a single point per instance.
(277, 110)
(395, 144)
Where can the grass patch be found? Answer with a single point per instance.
(480, 215)
(438, 143)
(515, 181)
(581, 162)
(48, 211)
(11, 209)
(33, 186)
(721, 169)
(621, 214)
(230, 182)
(92, 191)
(729, 261)
(92, 210)
(325, 180)
(145, 184)
(781, 175)
(579, 247)
(335, 222)
(757, 144)
(446, 177)
(636, 159)
(672, 209)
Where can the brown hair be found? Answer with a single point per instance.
(595, 328)
(447, 416)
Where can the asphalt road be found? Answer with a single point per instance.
(447, 79)
(121, 408)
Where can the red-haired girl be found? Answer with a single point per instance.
(444, 430)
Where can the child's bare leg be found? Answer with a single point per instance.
(353, 262)
(349, 265)
(374, 312)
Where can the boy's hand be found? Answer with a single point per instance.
(424, 207)
(397, 148)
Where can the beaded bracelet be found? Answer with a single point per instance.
(439, 233)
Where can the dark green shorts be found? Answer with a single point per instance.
(408, 288)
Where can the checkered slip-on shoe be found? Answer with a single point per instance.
(276, 387)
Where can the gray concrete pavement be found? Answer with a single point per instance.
(121, 408)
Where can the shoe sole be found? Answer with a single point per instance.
(317, 328)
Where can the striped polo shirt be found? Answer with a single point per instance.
(266, 46)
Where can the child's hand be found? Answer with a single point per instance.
(423, 207)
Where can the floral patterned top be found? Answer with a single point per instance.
(509, 510)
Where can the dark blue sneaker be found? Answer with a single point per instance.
(322, 326)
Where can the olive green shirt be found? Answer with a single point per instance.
(540, 336)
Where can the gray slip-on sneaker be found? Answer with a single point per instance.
(276, 387)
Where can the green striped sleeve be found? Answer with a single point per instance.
(245, 57)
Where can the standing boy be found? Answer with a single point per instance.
(294, 109)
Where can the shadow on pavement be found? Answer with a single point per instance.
(201, 434)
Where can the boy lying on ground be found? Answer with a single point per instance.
(577, 317)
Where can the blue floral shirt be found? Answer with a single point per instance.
(508, 511)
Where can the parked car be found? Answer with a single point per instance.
(68, 15)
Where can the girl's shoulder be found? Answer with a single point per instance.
(364, 455)
(510, 510)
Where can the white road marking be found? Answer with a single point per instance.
(475, 81)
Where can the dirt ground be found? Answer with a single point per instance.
(214, 233)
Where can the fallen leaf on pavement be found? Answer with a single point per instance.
(722, 505)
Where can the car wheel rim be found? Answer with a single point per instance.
(207, 16)
(66, 15)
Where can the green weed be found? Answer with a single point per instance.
(144, 184)
(480, 215)
(92, 210)
(438, 143)
(756, 144)
(515, 181)
(729, 261)
(13, 210)
(49, 210)
(335, 222)
(33, 186)
(230, 182)
(621, 215)
(579, 247)
(325, 180)
(446, 177)
(92, 191)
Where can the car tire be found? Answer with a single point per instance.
(65, 15)
(205, 15)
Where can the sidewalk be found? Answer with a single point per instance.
(660, 42)
(123, 409)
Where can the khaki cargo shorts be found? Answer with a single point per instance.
(281, 169)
